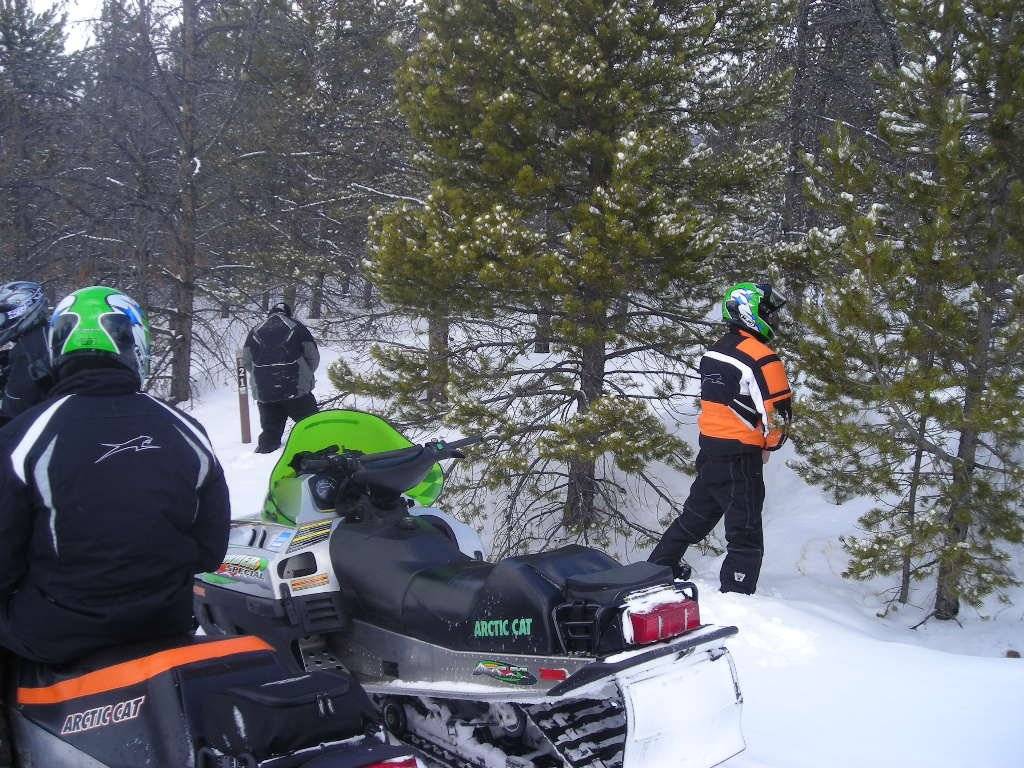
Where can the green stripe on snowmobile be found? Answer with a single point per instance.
(350, 431)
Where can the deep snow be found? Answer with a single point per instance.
(826, 682)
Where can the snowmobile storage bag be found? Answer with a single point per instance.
(280, 716)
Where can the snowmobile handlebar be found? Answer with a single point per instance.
(348, 463)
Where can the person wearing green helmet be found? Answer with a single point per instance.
(110, 500)
(746, 410)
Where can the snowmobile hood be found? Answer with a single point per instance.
(350, 431)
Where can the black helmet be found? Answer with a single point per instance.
(22, 306)
(283, 307)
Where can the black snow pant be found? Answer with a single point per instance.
(274, 415)
(732, 486)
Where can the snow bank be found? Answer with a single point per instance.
(826, 682)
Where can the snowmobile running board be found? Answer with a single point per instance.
(392, 664)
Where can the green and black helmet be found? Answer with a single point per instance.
(751, 306)
(102, 323)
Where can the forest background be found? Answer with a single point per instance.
(519, 216)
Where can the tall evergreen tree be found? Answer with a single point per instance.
(915, 348)
(321, 128)
(591, 161)
(39, 85)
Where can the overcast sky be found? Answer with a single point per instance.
(80, 12)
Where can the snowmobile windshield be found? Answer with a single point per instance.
(351, 431)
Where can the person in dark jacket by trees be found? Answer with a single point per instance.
(281, 357)
(745, 414)
(26, 372)
(110, 500)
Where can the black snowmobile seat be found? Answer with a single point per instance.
(124, 666)
(446, 605)
(148, 694)
(612, 585)
(559, 565)
(439, 599)
(378, 560)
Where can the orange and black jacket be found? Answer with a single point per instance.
(746, 402)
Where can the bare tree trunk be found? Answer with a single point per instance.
(793, 202)
(437, 362)
(960, 513)
(316, 296)
(915, 481)
(542, 338)
(181, 365)
(581, 494)
(289, 295)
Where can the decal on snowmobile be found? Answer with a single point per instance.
(101, 717)
(310, 534)
(506, 673)
(243, 567)
(503, 628)
(309, 582)
(280, 541)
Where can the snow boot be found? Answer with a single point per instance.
(682, 570)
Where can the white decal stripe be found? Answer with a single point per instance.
(192, 428)
(21, 450)
(204, 461)
(41, 473)
(746, 380)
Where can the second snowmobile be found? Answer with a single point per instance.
(564, 658)
(223, 702)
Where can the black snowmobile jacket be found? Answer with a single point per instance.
(110, 501)
(28, 374)
(281, 357)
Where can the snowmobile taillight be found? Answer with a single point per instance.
(556, 675)
(396, 762)
(660, 622)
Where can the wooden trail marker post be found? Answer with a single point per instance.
(243, 399)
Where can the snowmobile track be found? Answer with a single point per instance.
(586, 733)
(438, 754)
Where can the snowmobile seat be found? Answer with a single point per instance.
(559, 565)
(439, 599)
(119, 666)
(127, 706)
(377, 561)
(611, 586)
(505, 606)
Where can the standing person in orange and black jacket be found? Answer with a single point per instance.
(746, 409)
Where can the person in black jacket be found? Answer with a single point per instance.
(110, 500)
(281, 357)
(27, 375)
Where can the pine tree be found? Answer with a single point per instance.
(914, 354)
(321, 128)
(39, 85)
(590, 163)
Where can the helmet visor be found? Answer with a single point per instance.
(772, 301)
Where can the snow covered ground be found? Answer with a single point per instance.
(827, 684)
